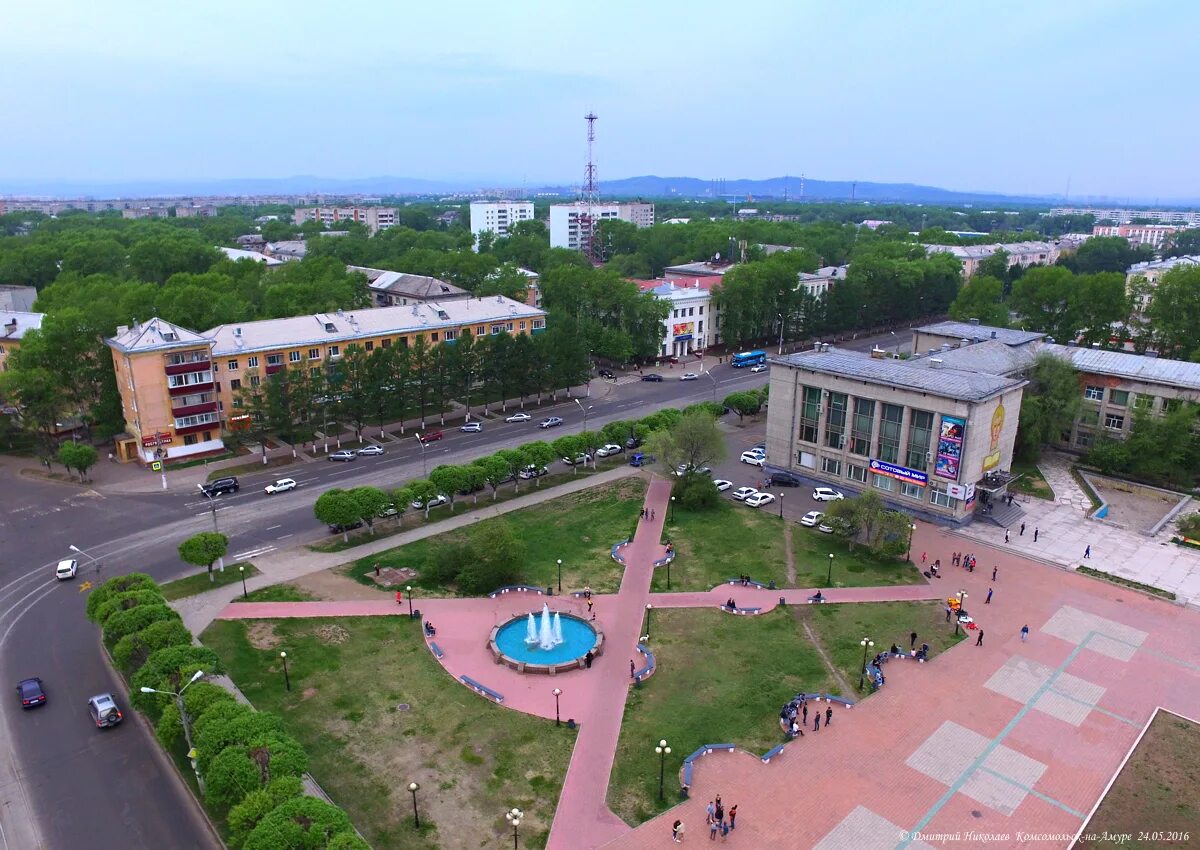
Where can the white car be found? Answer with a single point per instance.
(280, 486)
(578, 459)
(827, 494)
(518, 417)
(722, 485)
(760, 499)
(370, 450)
(532, 472)
(684, 468)
(66, 569)
(811, 518)
(689, 376)
(551, 422)
(436, 501)
(753, 458)
(825, 529)
(743, 493)
(761, 367)
(608, 450)
(472, 428)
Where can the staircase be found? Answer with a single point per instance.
(1004, 515)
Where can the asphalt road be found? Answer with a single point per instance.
(65, 784)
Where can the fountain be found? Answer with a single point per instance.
(545, 644)
(548, 635)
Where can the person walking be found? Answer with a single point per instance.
(828, 716)
(988, 601)
(979, 640)
(1087, 553)
(1006, 535)
(631, 668)
(652, 514)
(922, 557)
(677, 831)
(713, 826)
(948, 610)
(804, 712)
(912, 640)
(1036, 530)
(1024, 632)
(733, 816)
(590, 603)
(817, 722)
(1022, 534)
(994, 569)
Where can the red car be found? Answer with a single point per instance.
(430, 436)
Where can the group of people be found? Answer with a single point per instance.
(648, 513)
(964, 560)
(730, 604)
(718, 820)
(793, 717)
(744, 581)
(430, 631)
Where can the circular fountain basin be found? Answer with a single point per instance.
(508, 645)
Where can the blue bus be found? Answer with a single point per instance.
(748, 358)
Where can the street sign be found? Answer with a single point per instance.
(156, 466)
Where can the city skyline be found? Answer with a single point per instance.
(1023, 100)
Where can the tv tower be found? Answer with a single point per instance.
(590, 191)
(589, 195)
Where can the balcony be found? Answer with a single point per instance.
(191, 389)
(185, 368)
(195, 429)
(192, 409)
(272, 368)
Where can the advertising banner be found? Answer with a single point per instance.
(683, 330)
(950, 447)
(900, 473)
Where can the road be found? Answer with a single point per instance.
(64, 784)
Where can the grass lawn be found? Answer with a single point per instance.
(277, 593)
(578, 527)
(374, 711)
(199, 583)
(1031, 482)
(841, 627)
(720, 678)
(856, 568)
(1158, 790)
(721, 543)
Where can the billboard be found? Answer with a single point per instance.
(900, 473)
(683, 330)
(950, 447)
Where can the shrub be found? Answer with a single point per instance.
(124, 601)
(128, 622)
(240, 768)
(131, 651)
(696, 492)
(258, 804)
(298, 824)
(1189, 526)
(197, 699)
(118, 584)
(226, 725)
(170, 668)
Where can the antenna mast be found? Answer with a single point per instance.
(589, 195)
(590, 192)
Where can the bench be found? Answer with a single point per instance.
(648, 668)
(614, 549)
(436, 650)
(516, 588)
(771, 753)
(751, 583)
(483, 690)
(662, 562)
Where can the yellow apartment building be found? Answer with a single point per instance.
(177, 386)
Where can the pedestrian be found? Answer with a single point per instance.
(804, 712)
(1036, 531)
(1024, 632)
(590, 603)
(817, 721)
(1006, 535)
(994, 569)
(979, 640)
(588, 659)
(828, 716)
(677, 831)
(971, 569)
(947, 613)
(377, 569)
(631, 668)
(733, 816)
(713, 826)
(720, 807)
(720, 813)
(912, 640)
(922, 557)
(587, 591)
(652, 514)
(709, 811)
(988, 601)
(1087, 553)
(724, 831)
(1022, 530)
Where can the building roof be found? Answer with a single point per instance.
(1137, 367)
(991, 356)
(347, 326)
(970, 331)
(688, 286)
(289, 247)
(704, 268)
(236, 254)
(154, 335)
(947, 382)
(17, 298)
(417, 286)
(826, 273)
(17, 322)
(1164, 265)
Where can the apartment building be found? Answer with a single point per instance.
(498, 216)
(17, 299)
(694, 323)
(14, 324)
(572, 225)
(818, 283)
(375, 218)
(397, 289)
(1154, 235)
(179, 388)
(1190, 218)
(1023, 254)
(1151, 272)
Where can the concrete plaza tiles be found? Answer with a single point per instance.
(1064, 696)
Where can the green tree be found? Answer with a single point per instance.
(99, 599)
(569, 447)
(302, 823)
(256, 805)
(131, 651)
(1184, 243)
(422, 492)
(78, 456)
(1103, 254)
(498, 559)
(133, 620)
(982, 298)
(337, 507)
(495, 471)
(1049, 405)
(169, 669)
(368, 503)
(744, 403)
(449, 480)
(517, 459)
(1174, 313)
(694, 441)
(204, 550)
(240, 768)
(539, 454)
(474, 479)
(1048, 299)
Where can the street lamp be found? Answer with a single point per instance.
(649, 607)
(557, 718)
(714, 383)
(514, 817)
(912, 531)
(780, 332)
(829, 577)
(962, 594)
(864, 643)
(184, 719)
(421, 443)
(663, 751)
(408, 587)
(242, 572)
(584, 410)
(412, 789)
(781, 505)
(287, 680)
(560, 575)
(212, 503)
(86, 555)
(671, 518)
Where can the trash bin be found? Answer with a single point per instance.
(570, 722)
(416, 614)
(782, 601)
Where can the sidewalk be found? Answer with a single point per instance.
(200, 610)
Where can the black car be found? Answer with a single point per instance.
(606, 373)
(218, 486)
(653, 377)
(784, 479)
(340, 529)
(31, 692)
(632, 443)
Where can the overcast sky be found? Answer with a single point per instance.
(1017, 97)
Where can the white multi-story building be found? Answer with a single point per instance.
(693, 323)
(1023, 254)
(571, 225)
(375, 218)
(1154, 235)
(498, 216)
(1122, 216)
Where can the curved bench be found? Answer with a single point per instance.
(690, 761)
(751, 583)
(482, 690)
(436, 650)
(516, 588)
(613, 551)
(662, 562)
(741, 611)
(771, 753)
(648, 668)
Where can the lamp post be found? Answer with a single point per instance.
(864, 643)
(185, 720)
(663, 751)
(829, 576)
(287, 680)
(671, 518)
(714, 383)
(584, 410)
(912, 529)
(212, 504)
(86, 555)
(514, 817)
(413, 787)
(421, 443)
(649, 608)
(780, 333)
(408, 589)
(560, 575)
(557, 718)
(242, 572)
(781, 505)
(962, 594)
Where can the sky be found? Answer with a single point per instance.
(1016, 97)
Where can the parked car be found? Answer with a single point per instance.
(743, 493)
(825, 528)
(31, 692)
(66, 569)
(472, 428)
(518, 417)
(607, 450)
(370, 450)
(827, 494)
(640, 459)
(606, 373)
(551, 422)
(339, 529)
(758, 447)
(436, 502)
(583, 457)
(532, 471)
(430, 436)
(811, 518)
(760, 499)
(388, 511)
(753, 458)
(280, 486)
(104, 711)
(722, 485)
(689, 376)
(685, 468)
(761, 367)
(653, 378)
(217, 486)
(344, 455)
(632, 443)
(785, 479)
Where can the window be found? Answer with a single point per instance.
(274, 359)
(293, 356)
(835, 421)
(314, 354)
(449, 335)
(940, 496)
(479, 330)
(315, 371)
(188, 379)
(1089, 417)
(370, 345)
(254, 380)
(497, 329)
(1118, 397)
(831, 466)
(701, 326)
(237, 402)
(433, 336)
(856, 473)
(1083, 439)
(235, 384)
(539, 323)
(189, 439)
(199, 419)
(335, 351)
(232, 365)
(883, 482)
(522, 326)
(920, 433)
(1143, 402)
(385, 343)
(810, 414)
(889, 433)
(252, 363)
(1093, 393)
(1114, 421)
(911, 491)
(862, 426)
(701, 313)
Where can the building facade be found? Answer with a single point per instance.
(14, 324)
(375, 218)
(694, 323)
(1022, 254)
(1123, 216)
(932, 441)
(572, 225)
(1154, 235)
(498, 216)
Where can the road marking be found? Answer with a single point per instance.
(84, 587)
(285, 537)
(253, 553)
(273, 527)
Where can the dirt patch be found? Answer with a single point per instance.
(333, 634)
(308, 693)
(1132, 506)
(335, 585)
(791, 554)
(261, 635)
(1157, 791)
(393, 576)
(801, 614)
